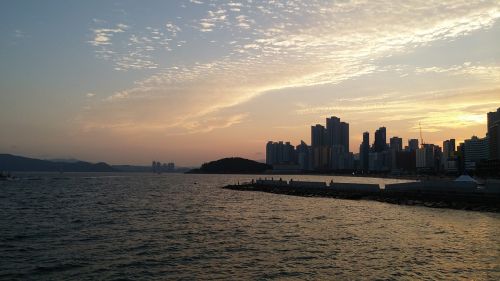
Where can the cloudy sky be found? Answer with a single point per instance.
(195, 80)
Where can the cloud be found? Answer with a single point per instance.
(90, 95)
(213, 19)
(435, 110)
(292, 44)
(209, 124)
(19, 34)
(131, 49)
(172, 28)
(102, 36)
(244, 22)
(490, 72)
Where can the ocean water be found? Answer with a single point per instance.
(185, 227)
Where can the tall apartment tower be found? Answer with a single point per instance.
(344, 135)
(365, 151)
(337, 133)
(396, 143)
(380, 143)
(318, 136)
(494, 134)
(412, 144)
(449, 148)
(333, 131)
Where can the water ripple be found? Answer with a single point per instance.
(144, 227)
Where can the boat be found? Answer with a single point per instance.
(6, 177)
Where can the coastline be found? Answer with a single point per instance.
(378, 176)
(482, 202)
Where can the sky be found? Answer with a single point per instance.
(128, 82)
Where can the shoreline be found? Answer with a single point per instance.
(377, 176)
(482, 202)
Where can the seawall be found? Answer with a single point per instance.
(475, 200)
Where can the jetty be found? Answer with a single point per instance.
(463, 193)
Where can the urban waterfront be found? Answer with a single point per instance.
(175, 226)
(329, 151)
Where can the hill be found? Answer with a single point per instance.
(234, 165)
(132, 168)
(13, 163)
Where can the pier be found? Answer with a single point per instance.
(436, 194)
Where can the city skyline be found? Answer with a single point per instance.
(193, 81)
(329, 152)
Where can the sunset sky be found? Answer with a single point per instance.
(196, 80)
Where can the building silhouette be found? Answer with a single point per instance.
(344, 135)
(396, 144)
(333, 131)
(412, 144)
(318, 136)
(303, 156)
(404, 161)
(158, 167)
(271, 154)
(494, 134)
(380, 143)
(449, 157)
(329, 151)
(426, 158)
(280, 153)
(365, 151)
(475, 150)
(449, 148)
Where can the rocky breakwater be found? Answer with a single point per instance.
(436, 194)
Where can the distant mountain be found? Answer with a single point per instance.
(234, 165)
(132, 168)
(145, 169)
(10, 162)
(64, 160)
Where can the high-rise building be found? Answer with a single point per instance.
(333, 131)
(449, 157)
(364, 152)
(404, 161)
(338, 157)
(380, 143)
(337, 133)
(426, 157)
(280, 153)
(494, 134)
(303, 155)
(288, 153)
(270, 154)
(344, 135)
(396, 143)
(379, 161)
(412, 144)
(475, 151)
(321, 157)
(156, 167)
(449, 148)
(318, 136)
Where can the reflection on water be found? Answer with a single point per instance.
(185, 227)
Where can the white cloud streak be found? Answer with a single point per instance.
(281, 44)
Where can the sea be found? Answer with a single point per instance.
(81, 226)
